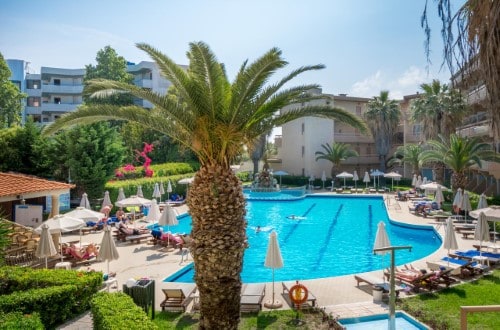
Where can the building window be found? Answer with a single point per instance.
(358, 110)
(57, 100)
(303, 151)
(57, 82)
(303, 128)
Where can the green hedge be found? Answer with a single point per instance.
(118, 311)
(161, 170)
(18, 320)
(56, 295)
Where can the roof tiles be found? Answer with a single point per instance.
(12, 184)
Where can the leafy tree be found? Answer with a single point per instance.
(214, 118)
(471, 37)
(91, 153)
(10, 98)
(109, 66)
(336, 153)
(439, 109)
(459, 154)
(383, 119)
(24, 150)
(409, 154)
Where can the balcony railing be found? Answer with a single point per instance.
(63, 107)
(62, 89)
(33, 110)
(352, 138)
(34, 92)
(145, 83)
(479, 130)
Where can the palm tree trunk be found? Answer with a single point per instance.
(258, 152)
(217, 207)
(459, 180)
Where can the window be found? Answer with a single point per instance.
(57, 100)
(303, 128)
(358, 110)
(57, 82)
(303, 151)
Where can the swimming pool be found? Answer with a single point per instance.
(374, 322)
(333, 236)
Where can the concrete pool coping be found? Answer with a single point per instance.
(339, 295)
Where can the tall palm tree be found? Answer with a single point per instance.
(336, 153)
(214, 118)
(471, 38)
(383, 119)
(439, 109)
(459, 154)
(409, 154)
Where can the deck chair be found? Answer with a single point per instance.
(311, 298)
(177, 297)
(423, 281)
(373, 281)
(252, 296)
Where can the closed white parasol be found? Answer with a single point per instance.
(273, 260)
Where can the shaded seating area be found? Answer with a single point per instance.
(178, 296)
(252, 296)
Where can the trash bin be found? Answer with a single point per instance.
(143, 294)
(377, 292)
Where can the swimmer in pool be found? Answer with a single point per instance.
(295, 217)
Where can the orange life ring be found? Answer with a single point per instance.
(298, 294)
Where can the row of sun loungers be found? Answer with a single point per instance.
(178, 296)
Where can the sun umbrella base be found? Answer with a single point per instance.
(273, 304)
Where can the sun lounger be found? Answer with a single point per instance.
(417, 282)
(311, 298)
(492, 258)
(137, 238)
(373, 280)
(252, 296)
(177, 296)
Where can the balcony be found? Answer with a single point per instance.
(477, 130)
(352, 138)
(33, 110)
(62, 89)
(61, 108)
(144, 83)
(47, 72)
(34, 92)
(477, 95)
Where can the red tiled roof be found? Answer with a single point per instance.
(12, 184)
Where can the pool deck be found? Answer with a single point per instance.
(338, 295)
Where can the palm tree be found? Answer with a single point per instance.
(409, 154)
(335, 153)
(383, 119)
(471, 38)
(214, 118)
(439, 109)
(459, 154)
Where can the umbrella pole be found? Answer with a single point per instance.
(46, 263)
(107, 267)
(60, 246)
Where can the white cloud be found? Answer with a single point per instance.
(398, 85)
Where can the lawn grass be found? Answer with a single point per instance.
(439, 310)
(442, 310)
(281, 319)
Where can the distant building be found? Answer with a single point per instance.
(56, 91)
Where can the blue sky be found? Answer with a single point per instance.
(366, 45)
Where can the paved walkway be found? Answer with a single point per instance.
(339, 295)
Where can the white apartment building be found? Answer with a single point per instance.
(55, 91)
(302, 138)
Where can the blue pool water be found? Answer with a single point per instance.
(333, 236)
(375, 322)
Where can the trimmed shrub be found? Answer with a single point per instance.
(18, 320)
(118, 311)
(56, 295)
